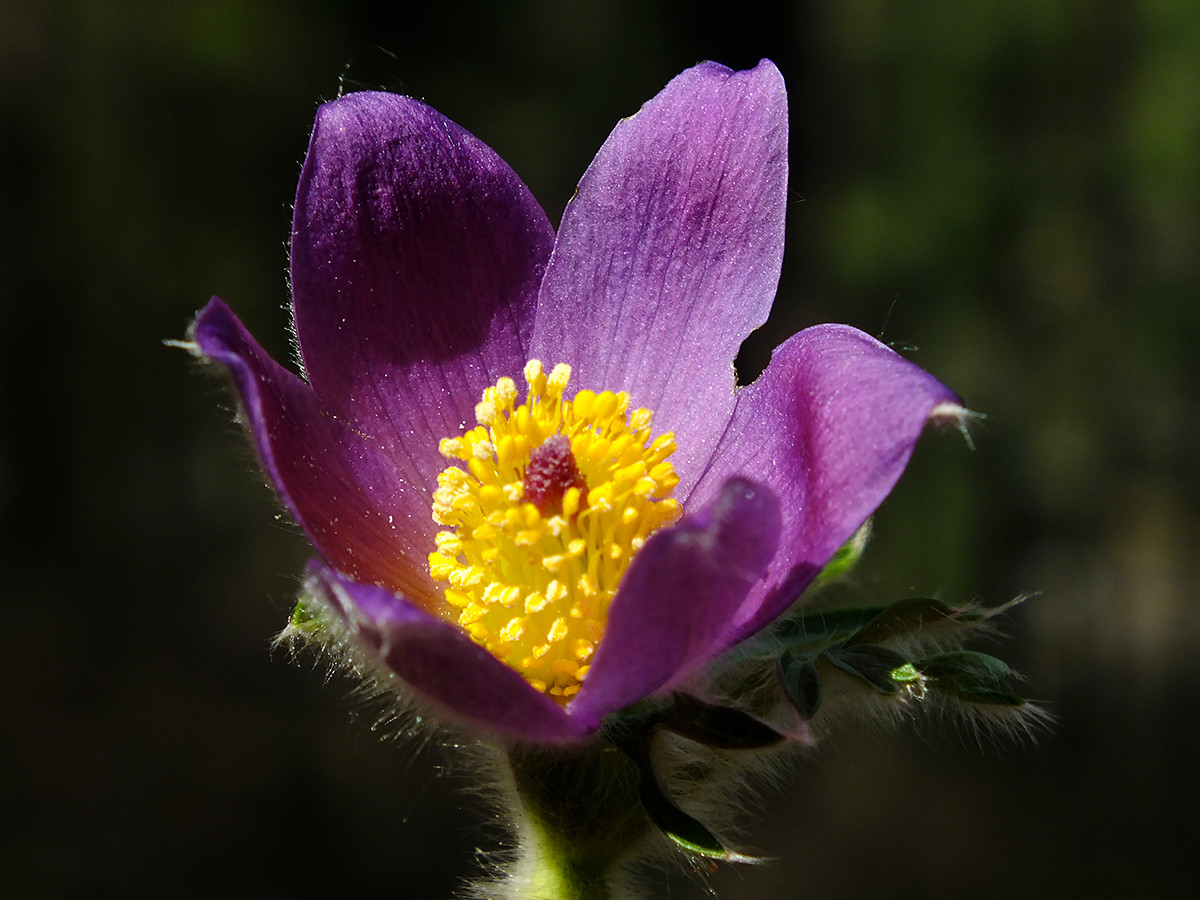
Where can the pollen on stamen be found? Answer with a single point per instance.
(546, 504)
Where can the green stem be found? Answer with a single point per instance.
(584, 819)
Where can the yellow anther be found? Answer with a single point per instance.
(512, 631)
(600, 498)
(527, 538)
(606, 405)
(533, 375)
(440, 566)
(484, 533)
(559, 376)
(570, 502)
(481, 469)
(472, 614)
(506, 450)
(583, 404)
(532, 581)
(506, 392)
(485, 412)
(565, 667)
(630, 473)
(466, 577)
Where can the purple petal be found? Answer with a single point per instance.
(442, 664)
(679, 598)
(829, 427)
(416, 257)
(669, 254)
(366, 517)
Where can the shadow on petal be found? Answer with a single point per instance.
(441, 663)
(679, 601)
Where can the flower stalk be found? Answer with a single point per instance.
(581, 819)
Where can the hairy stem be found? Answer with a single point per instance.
(583, 819)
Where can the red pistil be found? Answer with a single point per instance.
(550, 474)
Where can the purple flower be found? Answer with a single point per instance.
(605, 524)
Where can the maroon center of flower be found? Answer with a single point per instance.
(551, 472)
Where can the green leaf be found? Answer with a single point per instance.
(846, 557)
(307, 618)
(965, 668)
(971, 677)
(689, 833)
(819, 629)
(801, 683)
(872, 664)
(716, 726)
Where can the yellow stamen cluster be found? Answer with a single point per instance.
(533, 585)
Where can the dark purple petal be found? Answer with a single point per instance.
(441, 663)
(367, 517)
(828, 427)
(669, 254)
(680, 597)
(416, 258)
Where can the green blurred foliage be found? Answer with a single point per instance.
(1006, 190)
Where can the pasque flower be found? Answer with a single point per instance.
(537, 493)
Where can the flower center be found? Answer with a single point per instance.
(555, 499)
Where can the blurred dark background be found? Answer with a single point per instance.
(1008, 189)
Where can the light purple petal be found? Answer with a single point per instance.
(365, 516)
(669, 254)
(416, 258)
(829, 427)
(442, 664)
(680, 597)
